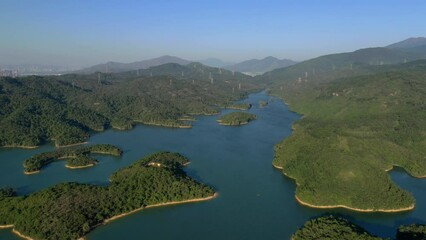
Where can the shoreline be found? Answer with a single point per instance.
(80, 167)
(285, 174)
(229, 124)
(16, 146)
(21, 235)
(121, 128)
(277, 167)
(368, 210)
(237, 108)
(6, 226)
(187, 119)
(158, 205)
(395, 165)
(31, 173)
(71, 145)
(123, 214)
(15, 231)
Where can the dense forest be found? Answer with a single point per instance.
(71, 210)
(331, 227)
(236, 118)
(76, 156)
(411, 232)
(355, 129)
(65, 109)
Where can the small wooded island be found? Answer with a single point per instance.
(236, 118)
(331, 227)
(77, 157)
(71, 210)
(263, 104)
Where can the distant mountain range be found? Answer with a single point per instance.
(250, 66)
(408, 50)
(259, 66)
(114, 67)
(409, 43)
(214, 62)
(326, 67)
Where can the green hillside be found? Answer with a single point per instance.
(331, 227)
(354, 130)
(329, 67)
(65, 108)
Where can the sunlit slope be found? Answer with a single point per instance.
(65, 108)
(353, 131)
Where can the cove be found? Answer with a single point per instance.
(255, 200)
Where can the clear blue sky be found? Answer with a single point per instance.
(72, 32)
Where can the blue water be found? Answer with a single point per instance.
(255, 200)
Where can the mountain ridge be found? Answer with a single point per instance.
(412, 42)
(260, 65)
(114, 67)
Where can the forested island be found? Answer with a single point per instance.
(354, 130)
(331, 227)
(77, 157)
(64, 109)
(71, 210)
(236, 118)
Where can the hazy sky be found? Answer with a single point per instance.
(71, 32)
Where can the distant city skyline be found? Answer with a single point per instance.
(83, 33)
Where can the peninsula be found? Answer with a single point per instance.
(353, 131)
(77, 157)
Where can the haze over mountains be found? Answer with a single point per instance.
(409, 43)
(326, 67)
(259, 66)
(122, 67)
(403, 51)
(250, 66)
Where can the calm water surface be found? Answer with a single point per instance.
(255, 200)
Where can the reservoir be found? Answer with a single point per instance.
(255, 200)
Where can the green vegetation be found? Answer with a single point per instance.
(330, 67)
(239, 106)
(236, 118)
(263, 104)
(355, 129)
(411, 232)
(7, 192)
(331, 228)
(77, 156)
(64, 109)
(81, 162)
(71, 210)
